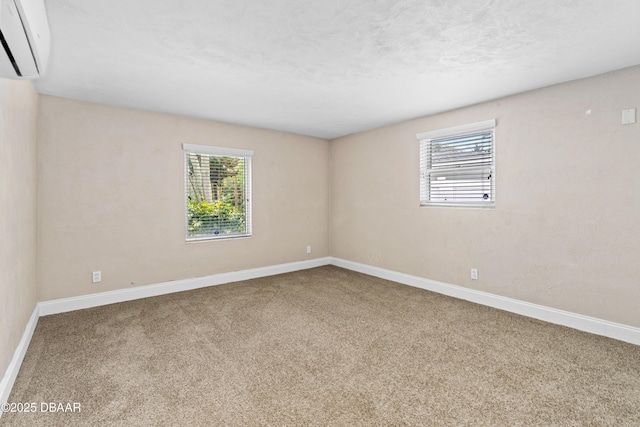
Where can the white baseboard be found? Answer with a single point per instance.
(584, 323)
(592, 325)
(103, 298)
(18, 356)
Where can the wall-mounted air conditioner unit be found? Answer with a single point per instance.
(25, 36)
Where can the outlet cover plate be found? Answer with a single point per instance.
(628, 116)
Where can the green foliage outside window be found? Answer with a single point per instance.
(216, 204)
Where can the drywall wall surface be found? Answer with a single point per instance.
(564, 232)
(18, 232)
(111, 198)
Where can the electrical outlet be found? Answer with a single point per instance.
(97, 276)
(628, 116)
(308, 249)
(474, 273)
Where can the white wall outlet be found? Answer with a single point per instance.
(308, 249)
(97, 276)
(628, 116)
(474, 273)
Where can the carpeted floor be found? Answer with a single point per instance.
(324, 346)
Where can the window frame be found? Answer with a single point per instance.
(425, 139)
(220, 152)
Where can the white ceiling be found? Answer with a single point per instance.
(328, 68)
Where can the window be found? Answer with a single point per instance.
(457, 166)
(217, 192)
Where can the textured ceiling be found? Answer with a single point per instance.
(328, 68)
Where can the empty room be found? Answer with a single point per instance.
(345, 212)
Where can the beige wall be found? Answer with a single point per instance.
(111, 198)
(109, 191)
(18, 142)
(110, 194)
(566, 229)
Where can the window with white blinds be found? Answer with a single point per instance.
(217, 192)
(457, 166)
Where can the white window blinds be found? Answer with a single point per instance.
(457, 166)
(217, 192)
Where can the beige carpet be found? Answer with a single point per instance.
(324, 346)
